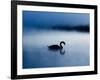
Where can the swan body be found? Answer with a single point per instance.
(56, 47)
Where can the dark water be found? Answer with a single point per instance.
(37, 55)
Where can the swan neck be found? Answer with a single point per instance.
(61, 45)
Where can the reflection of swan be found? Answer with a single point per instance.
(57, 47)
(62, 52)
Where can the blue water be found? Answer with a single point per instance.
(37, 55)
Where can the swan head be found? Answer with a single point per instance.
(62, 42)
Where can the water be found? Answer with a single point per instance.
(37, 55)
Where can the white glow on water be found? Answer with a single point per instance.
(43, 38)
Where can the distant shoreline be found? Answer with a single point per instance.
(72, 28)
(80, 28)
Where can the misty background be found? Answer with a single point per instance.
(56, 21)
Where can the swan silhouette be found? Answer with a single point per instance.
(57, 47)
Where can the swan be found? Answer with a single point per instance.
(57, 47)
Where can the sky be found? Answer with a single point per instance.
(40, 19)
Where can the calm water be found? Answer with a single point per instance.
(37, 55)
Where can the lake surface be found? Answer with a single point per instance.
(37, 55)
